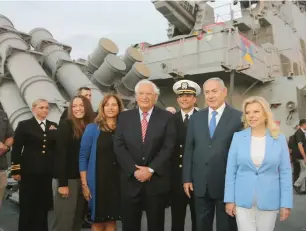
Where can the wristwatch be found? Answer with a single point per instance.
(151, 170)
(8, 148)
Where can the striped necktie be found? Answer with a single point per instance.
(144, 124)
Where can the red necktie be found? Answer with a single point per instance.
(144, 124)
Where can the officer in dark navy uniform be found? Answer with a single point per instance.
(186, 91)
(32, 165)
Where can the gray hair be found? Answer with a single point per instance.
(145, 81)
(221, 82)
(37, 101)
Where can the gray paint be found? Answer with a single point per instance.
(274, 31)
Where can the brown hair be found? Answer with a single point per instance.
(101, 117)
(79, 125)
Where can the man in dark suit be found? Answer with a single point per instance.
(209, 136)
(299, 151)
(143, 144)
(32, 165)
(84, 91)
(186, 91)
(293, 149)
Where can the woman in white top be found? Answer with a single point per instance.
(258, 177)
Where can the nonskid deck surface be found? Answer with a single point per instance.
(297, 221)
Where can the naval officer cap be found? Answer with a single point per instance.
(186, 87)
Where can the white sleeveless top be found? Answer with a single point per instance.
(257, 150)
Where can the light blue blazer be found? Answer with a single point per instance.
(270, 185)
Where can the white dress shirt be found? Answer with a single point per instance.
(148, 115)
(189, 113)
(218, 116)
(43, 126)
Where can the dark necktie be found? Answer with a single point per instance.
(186, 121)
(42, 125)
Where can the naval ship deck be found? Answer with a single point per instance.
(296, 222)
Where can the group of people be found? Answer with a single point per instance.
(218, 160)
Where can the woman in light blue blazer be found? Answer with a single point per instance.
(258, 181)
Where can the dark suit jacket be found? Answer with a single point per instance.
(33, 149)
(205, 158)
(154, 153)
(299, 137)
(177, 155)
(66, 158)
(64, 114)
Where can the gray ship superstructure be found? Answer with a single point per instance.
(262, 52)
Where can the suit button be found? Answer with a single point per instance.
(210, 146)
(180, 156)
(143, 158)
(180, 146)
(44, 134)
(180, 166)
(43, 152)
(44, 146)
(45, 140)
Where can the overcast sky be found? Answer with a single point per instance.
(81, 24)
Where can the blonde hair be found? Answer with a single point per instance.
(269, 122)
(38, 101)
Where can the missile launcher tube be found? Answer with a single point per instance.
(138, 72)
(59, 62)
(12, 103)
(111, 70)
(132, 56)
(105, 47)
(30, 78)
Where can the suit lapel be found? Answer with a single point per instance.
(268, 145)
(206, 123)
(154, 117)
(179, 122)
(48, 124)
(222, 122)
(136, 126)
(36, 125)
(247, 144)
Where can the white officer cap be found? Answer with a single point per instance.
(186, 87)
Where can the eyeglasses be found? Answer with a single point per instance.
(148, 94)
